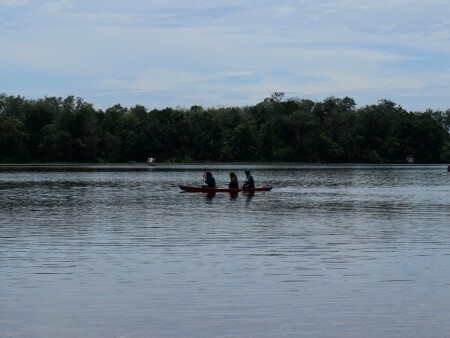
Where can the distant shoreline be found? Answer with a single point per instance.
(214, 164)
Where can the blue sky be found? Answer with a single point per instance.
(226, 53)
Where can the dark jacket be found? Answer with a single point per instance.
(234, 184)
(210, 180)
(250, 183)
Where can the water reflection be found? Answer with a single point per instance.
(209, 196)
(249, 195)
(233, 195)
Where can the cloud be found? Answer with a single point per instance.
(13, 3)
(58, 6)
(225, 50)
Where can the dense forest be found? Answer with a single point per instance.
(69, 129)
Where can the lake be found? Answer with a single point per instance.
(121, 251)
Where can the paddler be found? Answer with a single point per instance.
(210, 180)
(250, 182)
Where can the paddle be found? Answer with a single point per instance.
(204, 173)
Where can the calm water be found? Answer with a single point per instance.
(122, 252)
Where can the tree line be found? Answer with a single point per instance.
(55, 129)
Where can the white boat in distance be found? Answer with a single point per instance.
(151, 161)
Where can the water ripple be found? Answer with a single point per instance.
(125, 253)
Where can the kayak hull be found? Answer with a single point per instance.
(214, 190)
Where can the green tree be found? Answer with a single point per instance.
(110, 143)
(13, 140)
(206, 135)
(276, 129)
(337, 140)
(377, 124)
(54, 144)
(302, 126)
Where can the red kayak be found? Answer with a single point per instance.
(213, 190)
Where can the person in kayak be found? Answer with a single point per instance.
(250, 182)
(210, 180)
(234, 184)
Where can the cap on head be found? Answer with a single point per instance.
(247, 172)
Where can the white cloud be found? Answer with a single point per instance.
(57, 6)
(284, 10)
(227, 49)
(236, 74)
(14, 3)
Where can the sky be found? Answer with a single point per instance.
(179, 53)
